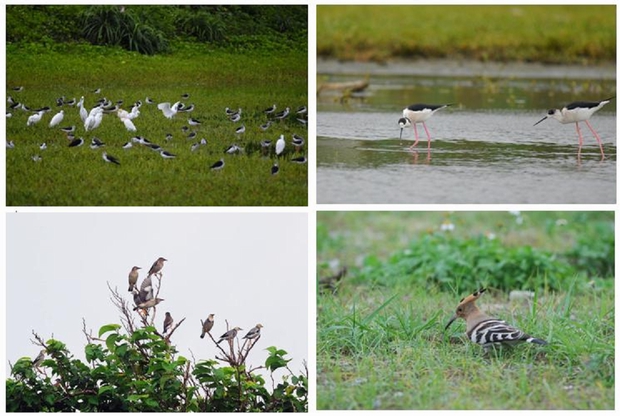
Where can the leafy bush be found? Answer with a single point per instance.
(151, 29)
(138, 370)
(449, 262)
(112, 26)
(203, 26)
(595, 255)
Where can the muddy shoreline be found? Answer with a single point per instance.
(465, 68)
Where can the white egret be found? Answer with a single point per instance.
(57, 119)
(35, 118)
(280, 145)
(169, 111)
(129, 125)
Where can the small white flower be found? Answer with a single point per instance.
(447, 226)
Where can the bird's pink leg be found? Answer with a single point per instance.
(427, 135)
(598, 139)
(580, 139)
(415, 131)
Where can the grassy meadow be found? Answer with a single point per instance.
(381, 342)
(214, 79)
(485, 33)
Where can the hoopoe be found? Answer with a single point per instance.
(487, 331)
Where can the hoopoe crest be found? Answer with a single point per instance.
(485, 330)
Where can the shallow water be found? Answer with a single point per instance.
(484, 149)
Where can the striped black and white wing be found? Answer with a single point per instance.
(494, 331)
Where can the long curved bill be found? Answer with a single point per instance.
(401, 132)
(543, 119)
(450, 322)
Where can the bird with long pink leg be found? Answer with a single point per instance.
(576, 112)
(418, 113)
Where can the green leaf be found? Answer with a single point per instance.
(110, 341)
(108, 328)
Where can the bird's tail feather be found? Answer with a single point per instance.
(536, 341)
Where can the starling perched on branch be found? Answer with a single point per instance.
(133, 277)
(207, 325)
(229, 335)
(157, 266)
(148, 304)
(168, 321)
(146, 290)
(37, 361)
(254, 332)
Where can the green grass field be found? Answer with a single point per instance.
(380, 337)
(215, 80)
(487, 33)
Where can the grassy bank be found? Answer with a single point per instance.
(214, 79)
(486, 33)
(380, 337)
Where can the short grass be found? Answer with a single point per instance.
(381, 344)
(487, 33)
(215, 80)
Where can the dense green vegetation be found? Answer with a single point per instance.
(154, 29)
(245, 71)
(132, 367)
(487, 33)
(380, 335)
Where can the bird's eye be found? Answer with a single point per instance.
(459, 309)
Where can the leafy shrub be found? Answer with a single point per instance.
(112, 26)
(448, 262)
(202, 25)
(595, 255)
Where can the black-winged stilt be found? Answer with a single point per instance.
(275, 168)
(283, 114)
(76, 142)
(270, 109)
(110, 159)
(218, 165)
(95, 143)
(232, 149)
(576, 112)
(418, 113)
(166, 155)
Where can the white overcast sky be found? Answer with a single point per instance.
(248, 268)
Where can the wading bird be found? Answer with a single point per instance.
(418, 113)
(576, 112)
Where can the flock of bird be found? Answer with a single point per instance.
(92, 120)
(145, 298)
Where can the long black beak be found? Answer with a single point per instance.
(450, 322)
(401, 133)
(543, 119)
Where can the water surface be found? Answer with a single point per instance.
(484, 148)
